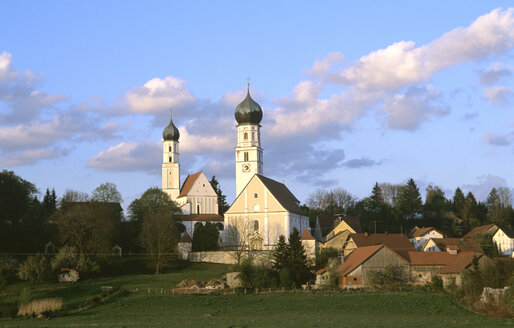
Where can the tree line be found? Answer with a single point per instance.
(397, 208)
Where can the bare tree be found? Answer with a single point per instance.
(343, 199)
(389, 192)
(238, 237)
(159, 237)
(107, 193)
(74, 196)
(318, 199)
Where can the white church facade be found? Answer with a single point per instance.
(263, 209)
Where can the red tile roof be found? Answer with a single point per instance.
(422, 231)
(200, 217)
(185, 238)
(450, 263)
(188, 183)
(306, 235)
(356, 258)
(457, 243)
(397, 242)
(480, 229)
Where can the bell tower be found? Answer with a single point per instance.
(249, 160)
(170, 161)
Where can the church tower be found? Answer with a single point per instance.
(249, 159)
(170, 163)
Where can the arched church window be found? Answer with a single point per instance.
(170, 148)
(246, 156)
(245, 136)
(255, 225)
(170, 159)
(198, 209)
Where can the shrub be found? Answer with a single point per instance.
(437, 282)
(8, 268)
(325, 255)
(256, 277)
(44, 306)
(8, 310)
(69, 258)
(286, 278)
(33, 269)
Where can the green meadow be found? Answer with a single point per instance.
(140, 303)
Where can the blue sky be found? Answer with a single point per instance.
(352, 92)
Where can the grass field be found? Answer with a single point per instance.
(140, 309)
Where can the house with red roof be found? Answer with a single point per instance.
(419, 236)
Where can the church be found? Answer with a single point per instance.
(263, 209)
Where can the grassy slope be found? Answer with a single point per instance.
(287, 310)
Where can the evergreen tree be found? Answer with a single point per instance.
(50, 202)
(297, 259)
(459, 204)
(205, 237)
(280, 254)
(409, 200)
(222, 199)
(376, 194)
(436, 208)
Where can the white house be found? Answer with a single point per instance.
(504, 240)
(419, 236)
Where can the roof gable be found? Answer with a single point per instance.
(482, 229)
(460, 244)
(196, 184)
(276, 190)
(507, 231)
(306, 235)
(420, 232)
(356, 258)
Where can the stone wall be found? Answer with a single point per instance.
(228, 257)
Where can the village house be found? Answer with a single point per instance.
(451, 245)
(339, 235)
(504, 240)
(396, 242)
(418, 236)
(323, 226)
(356, 269)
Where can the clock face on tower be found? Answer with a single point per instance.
(246, 167)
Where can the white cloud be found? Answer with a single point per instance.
(321, 66)
(205, 144)
(407, 111)
(499, 95)
(128, 157)
(30, 156)
(156, 96)
(403, 63)
(6, 71)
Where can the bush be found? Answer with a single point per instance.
(286, 278)
(391, 276)
(69, 258)
(256, 277)
(8, 268)
(325, 255)
(437, 282)
(8, 310)
(33, 269)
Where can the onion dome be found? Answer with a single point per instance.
(170, 132)
(248, 111)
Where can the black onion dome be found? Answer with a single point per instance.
(248, 111)
(170, 132)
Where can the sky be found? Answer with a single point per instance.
(353, 92)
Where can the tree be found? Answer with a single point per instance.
(459, 204)
(499, 205)
(17, 196)
(159, 236)
(69, 258)
(390, 192)
(33, 269)
(107, 193)
(376, 194)
(237, 239)
(409, 200)
(222, 199)
(344, 200)
(436, 209)
(280, 254)
(89, 227)
(205, 237)
(152, 198)
(73, 196)
(297, 260)
(50, 202)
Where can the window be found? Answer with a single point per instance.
(245, 136)
(170, 159)
(198, 209)
(246, 156)
(170, 148)
(255, 225)
(256, 195)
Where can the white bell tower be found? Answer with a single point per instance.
(170, 161)
(249, 160)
